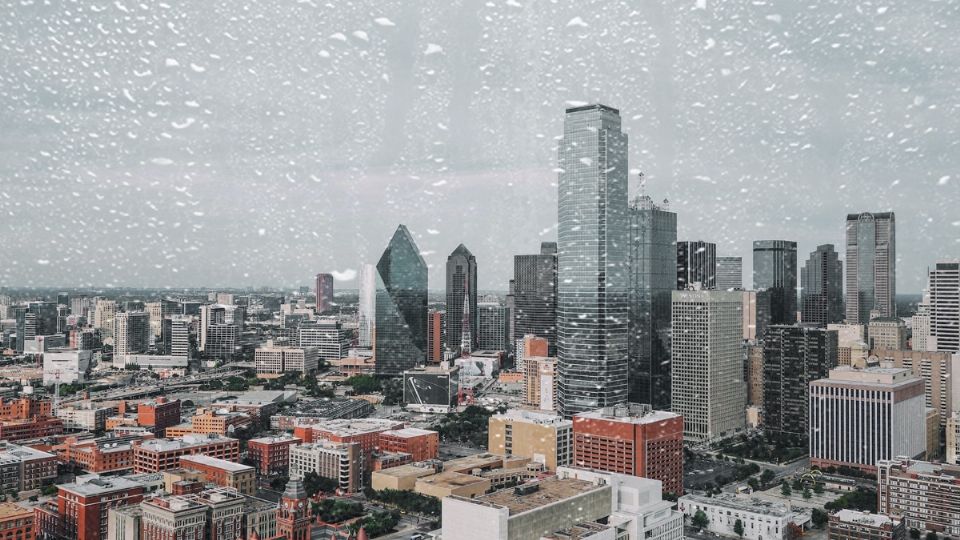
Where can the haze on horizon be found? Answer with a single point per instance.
(220, 144)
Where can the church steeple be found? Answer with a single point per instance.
(293, 515)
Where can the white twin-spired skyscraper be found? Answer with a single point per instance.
(592, 260)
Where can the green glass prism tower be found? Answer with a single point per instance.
(592, 260)
(400, 330)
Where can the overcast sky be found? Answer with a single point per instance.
(229, 143)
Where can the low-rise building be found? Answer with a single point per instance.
(431, 388)
(856, 525)
(926, 496)
(101, 456)
(342, 462)
(887, 333)
(271, 455)
(421, 444)
(166, 518)
(158, 414)
(543, 437)
(953, 438)
(761, 520)
(157, 455)
(124, 522)
(23, 468)
(66, 366)
(34, 428)
(16, 522)
(81, 508)
(85, 416)
(273, 361)
(222, 472)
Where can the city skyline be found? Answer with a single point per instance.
(769, 141)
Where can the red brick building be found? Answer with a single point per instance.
(80, 509)
(101, 457)
(32, 428)
(16, 522)
(363, 431)
(271, 455)
(222, 472)
(158, 414)
(631, 439)
(421, 444)
(157, 455)
(24, 408)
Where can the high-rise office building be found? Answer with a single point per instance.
(775, 270)
(821, 287)
(729, 273)
(400, 341)
(103, 313)
(461, 287)
(327, 335)
(653, 277)
(887, 333)
(756, 314)
(179, 336)
(793, 356)
(696, 264)
(592, 260)
(861, 416)
(34, 320)
(131, 333)
(492, 326)
(871, 266)
(707, 384)
(435, 320)
(323, 289)
(944, 283)
(535, 295)
(920, 325)
(367, 305)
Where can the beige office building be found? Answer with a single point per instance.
(542, 437)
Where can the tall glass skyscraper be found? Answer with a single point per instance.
(775, 269)
(871, 266)
(821, 287)
(653, 277)
(461, 284)
(696, 264)
(535, 295)
(401, 313)
(592, 256)
(367, 305)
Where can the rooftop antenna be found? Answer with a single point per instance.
(643, 184)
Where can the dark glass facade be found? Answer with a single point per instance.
(821, 287)
(653, 263)
(461, 284)
(775, 270)
(535, 295)
(871, 267)
(400, 330)
(793, 356)
(592, 257)
(696, 263)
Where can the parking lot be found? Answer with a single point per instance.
(700, 471)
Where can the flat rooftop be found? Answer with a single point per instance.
(452, 479)
(274, 440)
(476, 461)
(92, 484)
(872, 376)
(9, 510)
(534, 417)
(416, 470)
(864, 518)
(216, 462)
(756, 506)
(631, 413)
(356, 426)
(187, 441)
(409, 432)
(548, 491)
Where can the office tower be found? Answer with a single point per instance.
(492, 326)
(461, 287)
(775, 270)
(534, 287)
(861, 416)
(793, 356)
(729, 273)
(103, 314)
(79, 306)
(342, 462)
(435, 320)
(401, 306)
(756, 313)
(887, 333)
(540, 382)
(131, 333)
(542, 437)
(938, 369)
(531, 345)
(920, 325)
(165, 518)
(210, 315)
(163, 343)
(871, 266)
(821, 287)
(179, 336)
(510, 302)
(327, 335)
(707, 383)
(944, 283)
(754, 375)
(367, 305)
(592, 260)
(323, 289)
(653, 268)
(953, 438)
(925, 495)
(34, 320)
(696, 264)
(851, 342)
(631, 439)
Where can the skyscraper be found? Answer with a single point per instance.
(461, 286)
(323, 288)
(696, 263)
(793, 357)
(131, 333)
(367, 305)
(435, 336)
(35, 319)
(775, 269)
(593, 284)
(944, 282)
(707, 384)
(400, 341)
(535, 295)
(492, 325)
(653, 265)
(729, 273)
(871, 266)
(821, 287)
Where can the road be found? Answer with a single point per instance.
(158, 387)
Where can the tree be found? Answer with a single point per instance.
(738, 528)
(819, 517)
(700, 520)
(754, 484)
(915, 534)
(796, 484)
(785, 489)
(806, 493)
(363, 384)
(932, 536)
(818, 488)
(314, 483)
(767, 476)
